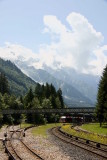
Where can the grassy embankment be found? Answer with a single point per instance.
(94, 137)
(95, 128)
(24, 125)
(42, 130)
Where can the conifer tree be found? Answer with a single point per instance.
(4, 87)
(29, 97)
(53, 102)
(1, 116)
(53, 90)
(47, 90)
(101, 106)
(38, 91)
(59, 93)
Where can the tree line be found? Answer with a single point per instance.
(101, 106)
(45, 96)
(42, 96)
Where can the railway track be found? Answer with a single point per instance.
(90, 146)
(17, 149)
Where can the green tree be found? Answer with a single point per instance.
(58, 102)
(52, 90)
(101, 106)
(35, 103)
(6, 105)
(59, 94)
(4, 87)
(16, 105)
(47, 90)
(29, 97)
(46, 103)
(39, 92)
(1, 116)
(53, 101)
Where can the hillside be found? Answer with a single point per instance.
(19, 83)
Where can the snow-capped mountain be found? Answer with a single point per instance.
(78, 89)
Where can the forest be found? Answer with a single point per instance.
(43, 96)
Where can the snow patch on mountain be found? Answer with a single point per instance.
(19, 53)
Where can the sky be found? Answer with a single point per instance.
(72, 33)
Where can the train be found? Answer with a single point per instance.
(76, 119)
(71, 119)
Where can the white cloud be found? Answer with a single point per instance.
(53, 25)
(78, 47)
(14, 51)
(100, 61)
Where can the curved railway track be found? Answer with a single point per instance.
(17, 149)
(92, 147)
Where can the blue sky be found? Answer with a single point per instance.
(21, 21)
(27, 22)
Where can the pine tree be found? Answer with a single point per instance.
(29, 97)
(58, 103)
(46, 103)
(59, 94)
(38, 91)
(101, 106)
(53, 90)
(53, 101)
(1, 116)
(47, 90)
(4, 87)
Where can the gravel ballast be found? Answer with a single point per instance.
(50, 148)
(3, 155)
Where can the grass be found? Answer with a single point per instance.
(42, 130)
(94, 137)
(24, 125)
(95, 128)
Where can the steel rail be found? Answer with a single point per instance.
(67, 139)
(8, 148)
(15, 152)
(100, 146)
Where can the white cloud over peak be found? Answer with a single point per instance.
(79, 46)
(15, 51)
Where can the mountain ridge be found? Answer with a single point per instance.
(19, 83)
